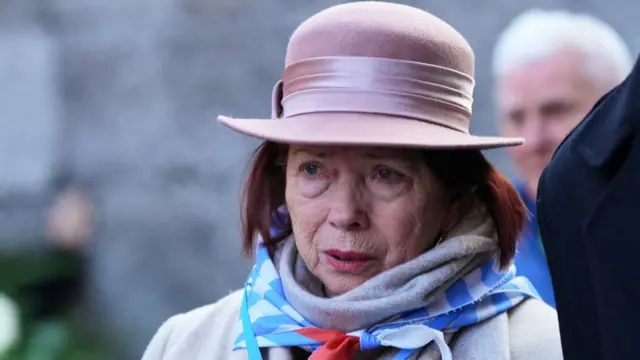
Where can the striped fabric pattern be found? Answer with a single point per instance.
(268, 320)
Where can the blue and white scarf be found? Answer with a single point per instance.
(269, 320)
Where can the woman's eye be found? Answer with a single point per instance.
(387, 175)
(310, 169)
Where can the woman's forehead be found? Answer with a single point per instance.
(374, 152)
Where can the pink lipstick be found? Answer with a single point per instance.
(348, 261)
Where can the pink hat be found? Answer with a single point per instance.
(374, 73)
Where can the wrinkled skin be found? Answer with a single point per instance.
(385, 203)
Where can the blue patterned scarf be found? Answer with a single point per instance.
(269, 320)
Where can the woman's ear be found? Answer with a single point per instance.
(458, 208)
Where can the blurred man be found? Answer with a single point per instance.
(550, 68)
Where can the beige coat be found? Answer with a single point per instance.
(207, 333)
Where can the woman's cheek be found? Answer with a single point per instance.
(311, 188)
(389, 191)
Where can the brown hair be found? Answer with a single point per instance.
(463, 171)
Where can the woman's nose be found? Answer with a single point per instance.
(348, 211)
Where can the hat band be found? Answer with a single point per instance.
(375, 86)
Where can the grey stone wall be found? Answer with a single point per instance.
(120, 97)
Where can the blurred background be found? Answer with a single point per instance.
(118, 190)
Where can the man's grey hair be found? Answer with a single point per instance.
(537, 34)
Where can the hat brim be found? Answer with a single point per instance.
(364, 130)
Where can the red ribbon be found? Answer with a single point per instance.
(336, 345)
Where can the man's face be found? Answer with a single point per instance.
(542, 101)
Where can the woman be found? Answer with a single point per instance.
(383, 232)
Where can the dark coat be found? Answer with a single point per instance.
(589, 218)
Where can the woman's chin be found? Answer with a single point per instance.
(338, 282)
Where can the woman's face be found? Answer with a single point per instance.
(358, 211)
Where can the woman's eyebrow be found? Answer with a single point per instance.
(404, 158)
(313, 152)
(384, 156)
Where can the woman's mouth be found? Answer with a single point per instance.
(348, 261)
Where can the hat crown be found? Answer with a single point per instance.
(383, 30)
